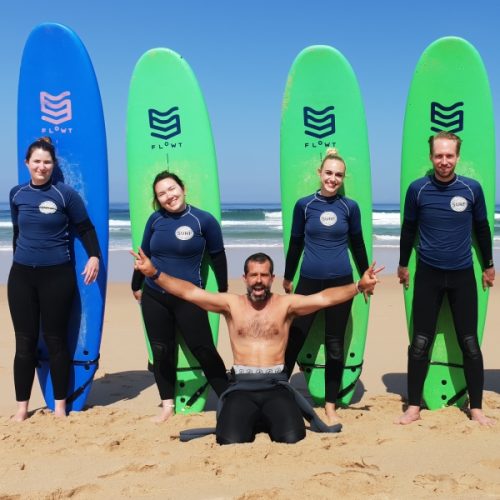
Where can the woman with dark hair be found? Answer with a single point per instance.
(324, 224)
(176, 237)
(42, 284)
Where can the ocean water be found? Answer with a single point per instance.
(243, 226)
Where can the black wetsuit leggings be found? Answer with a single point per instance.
(336, 318)
(246, 412)
(41, 297)
(430, 286)
(162, 314)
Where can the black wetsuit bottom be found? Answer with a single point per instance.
(336, 318)
(41, 297)
(431, 284)
(244, 413)
(162, 314)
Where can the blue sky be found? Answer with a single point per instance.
(241, 53)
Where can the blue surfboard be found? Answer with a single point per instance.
(58, 97)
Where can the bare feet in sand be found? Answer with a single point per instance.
(167, 410)
(331, 415)
(22, 412)
(477, 415)
(412, 414)
(60, 408)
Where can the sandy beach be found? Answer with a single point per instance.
(113, 450)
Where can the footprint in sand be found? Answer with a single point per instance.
(359, 465)
(341, 483)
(270, 494)
(125, 471)
(84, 491)
(449, 484)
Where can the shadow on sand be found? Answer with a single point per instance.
(121, 386)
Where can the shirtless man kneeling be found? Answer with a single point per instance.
(258, 325)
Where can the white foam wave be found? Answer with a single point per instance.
(385, 219)
(273, 215)
(254, 245)
(253, 223)
(119, 223)
(385, 237)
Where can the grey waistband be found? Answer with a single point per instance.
(242, 369)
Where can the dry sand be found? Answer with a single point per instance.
(112, 450)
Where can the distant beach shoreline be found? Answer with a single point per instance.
(120, 262)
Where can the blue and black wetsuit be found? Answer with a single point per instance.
(324, 227)
(176, 244)
(42, 284)
(445, 216)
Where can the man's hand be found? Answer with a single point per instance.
(143, 264)
(369, 280)
(287, 286)
(488, 277)
(404, 276)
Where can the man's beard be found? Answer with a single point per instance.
(258, 298)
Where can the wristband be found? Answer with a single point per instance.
(156, 275)
(358, 287)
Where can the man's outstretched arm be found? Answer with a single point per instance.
(306, 304)
(214, 302)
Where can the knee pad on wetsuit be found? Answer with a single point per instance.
(26, 348)
(419, 348)
(290, 437)
(55, 345)
(334, 349)
(159, 350)
(470, 347)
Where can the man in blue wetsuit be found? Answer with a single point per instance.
(258, 325)
(444, 208)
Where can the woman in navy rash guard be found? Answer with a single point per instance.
(176, 237)
(42, 284)
(324, 224)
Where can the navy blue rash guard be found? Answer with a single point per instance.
(445, 213)
(326, 223)
(42, 214)
(176, 242)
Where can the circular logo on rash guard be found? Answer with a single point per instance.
(47, 207)
(328, 218)
(184, 233)
(458, 204)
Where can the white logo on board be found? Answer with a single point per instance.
(47, 207)
(184, 233)
(458, 204)
(56, 109)
(328, 218)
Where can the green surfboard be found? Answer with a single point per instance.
(450, 92)
(168, 128)
(322, 108)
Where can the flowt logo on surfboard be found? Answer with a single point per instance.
(56, 109)
(447, 118)
(165, 125)
(319, 123)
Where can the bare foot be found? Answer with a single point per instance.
(331, 415)
(60, 408)
(412, 414)
(167, 410)
(22, 412)
(477, 415)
